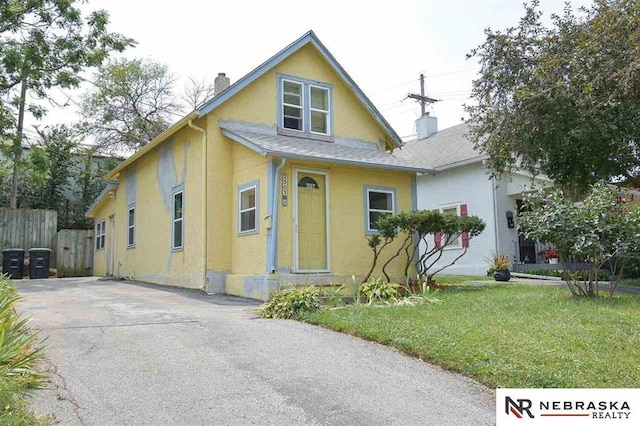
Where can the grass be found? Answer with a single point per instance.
(460, 279)
(631, 281)
(510, 335)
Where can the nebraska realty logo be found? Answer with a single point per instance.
(567, 406)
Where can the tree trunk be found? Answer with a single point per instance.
(17, 146)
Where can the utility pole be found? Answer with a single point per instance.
(421, 98)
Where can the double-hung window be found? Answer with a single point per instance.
(450, 241)
(379, 202)
(101, 228)
(131, 224)
(177, 220)
(305, 106)
(248, 208)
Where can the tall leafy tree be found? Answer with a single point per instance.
(132, 102)
(45, 44)
(563, 100)
(49, 168)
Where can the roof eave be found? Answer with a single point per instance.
(461, 163)
(108, 187)
(155, 142)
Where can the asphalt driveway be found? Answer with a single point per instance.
(129, 353)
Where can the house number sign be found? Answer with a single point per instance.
(285, 190)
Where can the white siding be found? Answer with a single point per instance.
(468, 185)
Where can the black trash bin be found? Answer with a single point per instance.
(39, 262)
(13, 263)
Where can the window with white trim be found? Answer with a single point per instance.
(319, 110)
(248, 208)
(177, 220)
(454, 210)
(378, 204)
(131, 224)
(101, 228)
(305, 106)
(292, 105)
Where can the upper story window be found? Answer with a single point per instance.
(305, 106)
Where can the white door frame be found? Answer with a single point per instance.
(325, 173)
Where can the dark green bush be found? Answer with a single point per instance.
(291, 302)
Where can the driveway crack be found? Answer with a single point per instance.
(59, 384)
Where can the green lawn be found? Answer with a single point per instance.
(631, 281)
(510, 335)
(459, 279)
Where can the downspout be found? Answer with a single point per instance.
(495, 214)
(204, 203)
(274, 217)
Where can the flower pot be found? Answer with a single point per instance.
(502, 275)
(553, 261)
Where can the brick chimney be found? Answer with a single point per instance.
(426, 126)
(220, 83)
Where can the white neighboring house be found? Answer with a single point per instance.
(464, 186)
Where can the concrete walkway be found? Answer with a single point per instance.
(604, 285)
(128, 353)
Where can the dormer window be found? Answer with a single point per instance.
(304, 106)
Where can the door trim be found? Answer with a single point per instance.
(325, 173)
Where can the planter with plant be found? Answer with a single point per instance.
(551, 254)
(499, 268)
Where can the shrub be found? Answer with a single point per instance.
(19, 355)
(379, 290)
(291, 302)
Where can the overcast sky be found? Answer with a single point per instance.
(383, 45)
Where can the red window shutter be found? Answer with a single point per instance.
(465, 235)
(437, 237)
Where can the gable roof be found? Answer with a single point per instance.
(230, 91)
(310, 149)
(446, 149)
(309, 37)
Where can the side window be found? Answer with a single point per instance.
(248, 202)
(453, 242)
(177, 220)
(131, 225)
(379, 202)
(100, 234)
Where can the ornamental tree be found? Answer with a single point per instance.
(45, 44)
(562, 100)
(415, 231)
(603, 231)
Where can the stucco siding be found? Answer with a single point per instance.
(468, 185)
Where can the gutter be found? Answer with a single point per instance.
(274, 216)
(204, 202)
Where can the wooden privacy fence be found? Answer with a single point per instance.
(26, 228)
(75, 252)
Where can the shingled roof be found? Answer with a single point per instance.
(270, 143)
(444, 150)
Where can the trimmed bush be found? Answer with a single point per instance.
(291, 302)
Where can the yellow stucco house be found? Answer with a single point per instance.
(276, 179)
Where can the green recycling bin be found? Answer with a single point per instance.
(13, 263)
(39, 259)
